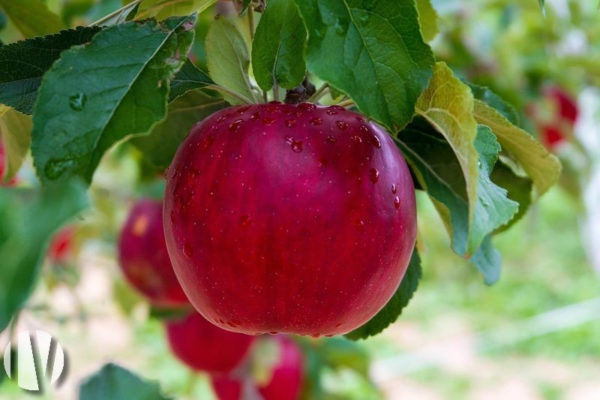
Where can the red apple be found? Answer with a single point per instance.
(143, 256)
(552, 137)
(205, 347)
(285, 382)
(566, 105)
(61, 245)
(289, 218)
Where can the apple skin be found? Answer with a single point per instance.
(289, 218)
(143, 256)
(285, 382)
(204, 347)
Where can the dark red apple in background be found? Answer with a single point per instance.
(204, 347)
(62, 245)
(285, 382)
(143, 256)
(556, 125)
(289, 218)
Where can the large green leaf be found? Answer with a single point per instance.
(27, 220)
(188, 78)
(127, 69)
(161, 9)
(447, 104)
(278, 47)
(428, 19)
(115, 382)
(228, 60)
(22, 65)
(31, 17)
(438, 172)
(160, 145)
(542, 167)
(397, 303)
(371, 50)
(15, 129)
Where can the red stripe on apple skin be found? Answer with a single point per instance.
(289, 218)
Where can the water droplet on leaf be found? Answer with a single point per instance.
(77, 101)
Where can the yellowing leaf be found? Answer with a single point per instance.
(542, 167)
(16, 136)
(161, 9)
(447, 104)
(31, 17)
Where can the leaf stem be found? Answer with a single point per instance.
(319, 93)
(251, 22)
(275, 90)
(231, 93)
(346, 103)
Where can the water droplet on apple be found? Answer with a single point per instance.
(397, 202)
(331, 139)
(316, 121)
(296, 145)
(188, 250)
(376, 142)
(290, 123)
(343, 125)
(235, 125)
(394, 188)
(374, 175)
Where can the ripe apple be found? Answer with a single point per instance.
(143, 256)
(205, 347)
(284, 382)
(289, 218)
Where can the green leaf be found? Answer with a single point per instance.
(438, 171)
(397, 303)
(22, 65)
(188, 78)
(161, 9)
(488, 261)
(519, 190)
(428, 19)
(28, 218)
(542, 167)
(447, 104)
(492, 99)
(115, 382)
(278, 47)
(340, 353)
(493, 209)
(163, 313)
(16, 136)
(127, 68)
(228, 60)
(31, 17)
(372, 51)
(160, 145)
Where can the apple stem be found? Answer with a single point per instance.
(346, 103)
(251, 22)
(275, 91)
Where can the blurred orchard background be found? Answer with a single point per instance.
(533, 335)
